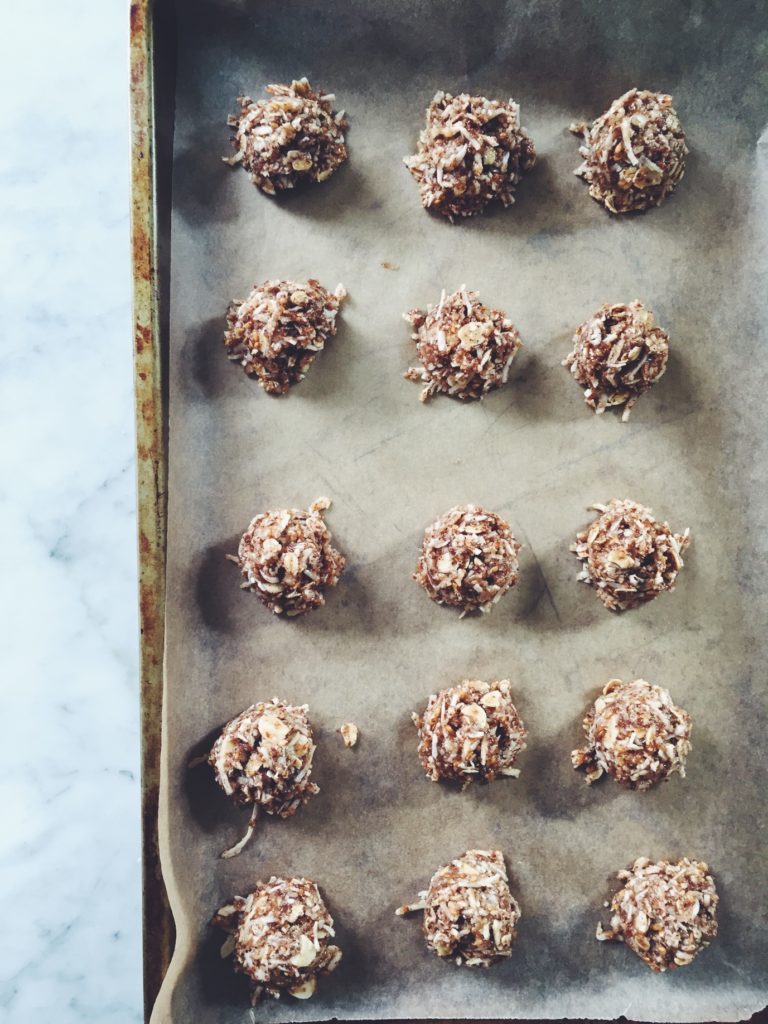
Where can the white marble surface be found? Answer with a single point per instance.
(69, 784)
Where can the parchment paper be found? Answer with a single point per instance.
(354, 430)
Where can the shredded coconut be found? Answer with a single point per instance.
(665, 912)
(293, 137)
(628, 556)
(465, 348)
(636, 734)
(634, 153)
(469, 913)
(468, 559)
(280, 937)
(471, 152)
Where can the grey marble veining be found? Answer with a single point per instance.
(69, 785)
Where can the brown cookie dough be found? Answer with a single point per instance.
(264, 758)
(468, 559)
(634, 153)
(286, 557)
(636, 734)
(471, 152)
(278, 330)
(665, 912)
(291, 138)
(280, 937)
(470, 732)
(469, 913)
(629, 558)
(465, 348)
(618, 354)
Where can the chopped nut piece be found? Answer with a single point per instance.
(636, 734)
(278, 330)
(349, 733)
(468, 559)
(649, 555)
(289, 139)
(618, 354)
(286, 557)
(666, 912)
(634, 153)
(279, 947)
(471, 732)
(465, 348)
(264, 757)
(471, 152)
(469, 913)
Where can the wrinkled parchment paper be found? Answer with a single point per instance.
(354, 430)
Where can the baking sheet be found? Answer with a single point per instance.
(354, 430)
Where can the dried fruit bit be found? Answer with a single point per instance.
(634, 153)
(629, 557)
(636, 734)
(287, 559)
(278, 330)
(471, 152)
(618, 354)
(465, 348)
(289, 139)
(666, 912)
(280, 936)
(470, 732)
(469, 913)
(264, 758)
(349, 733)
(468, 559)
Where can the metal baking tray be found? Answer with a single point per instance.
(153, 81)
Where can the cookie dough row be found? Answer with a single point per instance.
(465, 348)
(468, 557)
(281, 933)
(467, 733)
(472, 151)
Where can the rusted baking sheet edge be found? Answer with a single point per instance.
(151, 472)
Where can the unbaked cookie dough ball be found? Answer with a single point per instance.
(471, 152)
(278, 330)
(470, 915)
(280, 936)
(634, 153)
(468, 559)
(636, 734)
(264, 758)
(666, 912)
(291, 138)
(465, 348)
(618, 353)
(286, 557)
(629, 558)
(470, 732)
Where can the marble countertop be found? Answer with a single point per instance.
(70, 850)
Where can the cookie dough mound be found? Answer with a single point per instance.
(287, 559)
(280, 936)
(634, 153)
(471, 152)
(468, 559)
(629, 557)
(636, 734)
(291, 138)
(469, 913)
(666, 912)
(264, 758)
(618, 354)
(470, 732)
(278, 330)
(465, 348)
